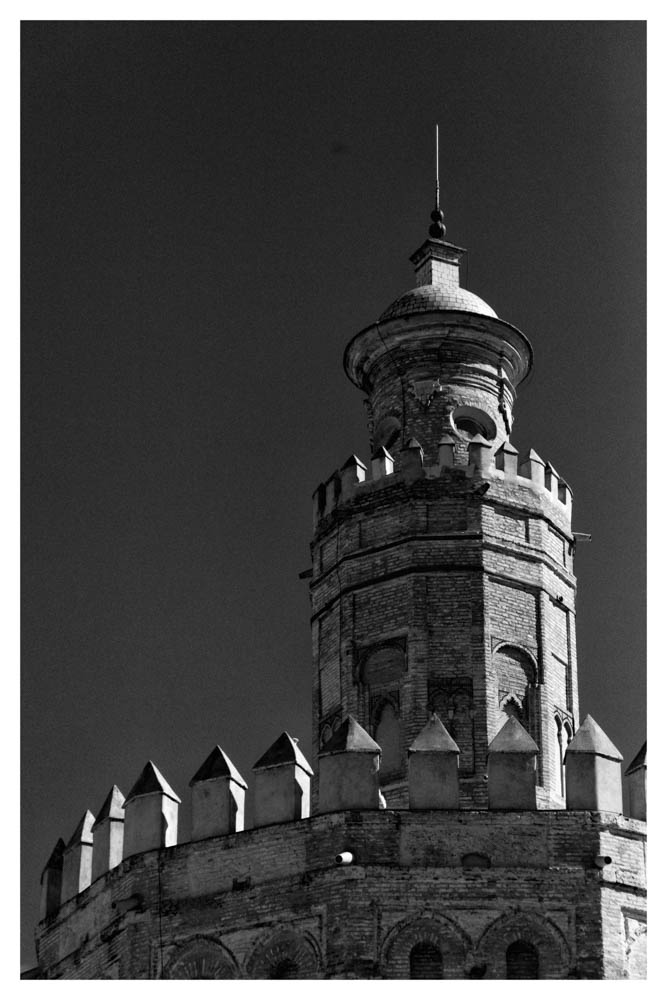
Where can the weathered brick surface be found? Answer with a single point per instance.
(471, 882)
(459, 574)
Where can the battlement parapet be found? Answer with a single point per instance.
(349, 779)
(476, 459)
(231, 882)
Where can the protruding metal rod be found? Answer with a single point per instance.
(437, 167)
(437, 229)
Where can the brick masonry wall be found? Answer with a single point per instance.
(457, 575)
(469, 882)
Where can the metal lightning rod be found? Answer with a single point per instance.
(437, 229)
(437, 168)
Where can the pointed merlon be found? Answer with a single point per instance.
(283, 751)
(281, 789)
(511, 761)
(506, 458)
(352, 473)
(112, 807)
(508, 448)
(56, 857)
(434, 738)
(433, 763)
(551, 479)
(636, 775)
(381, 452)
(447, 439)
(51, 882)
(353, 462)
(638, 762)
(83, 833)
(218, 765)
(150, 781)
(532, 456)
(591, 739)
(513, 738)
(350, 737)
(413, 443)
(349, 769)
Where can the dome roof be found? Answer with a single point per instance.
(426, 298)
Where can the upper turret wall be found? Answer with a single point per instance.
(438, 361)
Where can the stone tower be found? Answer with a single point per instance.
(443, 575)
(463, 823)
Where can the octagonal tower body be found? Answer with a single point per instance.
(443, 571)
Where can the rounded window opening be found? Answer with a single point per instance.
(468, 421)
(285, 969)
(425, 961)
(522, 961)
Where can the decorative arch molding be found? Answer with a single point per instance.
(524, 925)
(517, 687)
(378, 705)
(201, 957)
(382, 663)
(516, 647)
(509, 700)
(283, 949)
(427, 927)
(452, 699)
(565, 722)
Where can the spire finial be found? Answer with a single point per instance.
(437, 228)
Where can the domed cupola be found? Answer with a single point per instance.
(438, 360)
(437, 272)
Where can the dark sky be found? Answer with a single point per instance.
(210, 211)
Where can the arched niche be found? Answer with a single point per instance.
(553, 952)
(516, 675)
(383, 665)
(423, 943)
(285, 954)
(201, 958)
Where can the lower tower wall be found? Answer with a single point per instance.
(448, 894)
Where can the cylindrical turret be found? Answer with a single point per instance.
(438, 361)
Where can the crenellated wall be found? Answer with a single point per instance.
(478, 458)
(273, 902)
(446, 587)
(229, 884)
